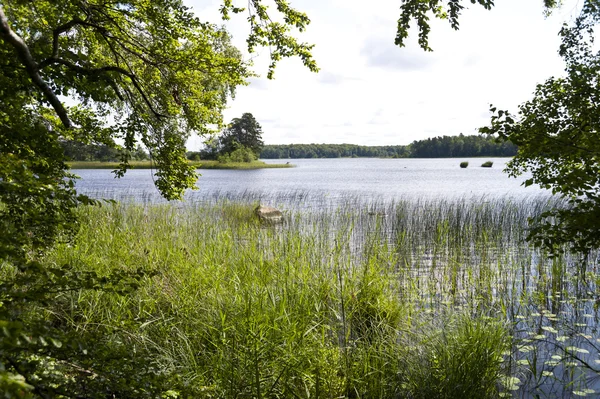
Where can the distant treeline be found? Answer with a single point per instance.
(437, 147)
(76, 151)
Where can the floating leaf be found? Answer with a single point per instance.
(584, 392)
(526, 348)
(562, 338)
(547, 374)
(523, 362)
(512, 383)
(550, 329)
(586, 336)
(571, 364)
(578, 350)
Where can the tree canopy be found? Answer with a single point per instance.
(557, 131)
(245, 132)
(96, 72)
(421, 11)
(559, 141)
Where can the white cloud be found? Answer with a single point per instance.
(372, 92)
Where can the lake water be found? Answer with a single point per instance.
(318, 181)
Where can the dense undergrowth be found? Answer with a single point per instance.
(402, 300)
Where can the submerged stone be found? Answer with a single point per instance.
(268, 214)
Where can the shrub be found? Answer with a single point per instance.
(464, 164)
(487, 164)
(241, 154)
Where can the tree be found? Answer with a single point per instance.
(139, 71)
(557, 132)
(242, 132)
(421, 12)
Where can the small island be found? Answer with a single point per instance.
(238, 147)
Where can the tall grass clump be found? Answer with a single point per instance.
(464, 164)
(463, 358)
(487, 164)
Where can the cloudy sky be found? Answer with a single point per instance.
(371, 92)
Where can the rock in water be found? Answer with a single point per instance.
(269, 214)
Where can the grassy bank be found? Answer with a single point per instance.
(430, 299)
(197, 164)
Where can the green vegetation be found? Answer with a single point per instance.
(410, 299)
(557, 134)
(195, 164)
(149, 302)
(241, 141)
(419, 13)
(437, 147)
(80, 152)
(141, 71)
(464, 164)
(487, 164)
(556, 131)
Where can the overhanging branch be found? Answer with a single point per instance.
(111, 68)
(32, 68)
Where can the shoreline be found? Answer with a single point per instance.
(196, 164)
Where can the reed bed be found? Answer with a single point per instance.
(403, 299)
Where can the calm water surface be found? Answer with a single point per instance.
(316, 180)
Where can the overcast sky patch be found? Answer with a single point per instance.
(383, 53)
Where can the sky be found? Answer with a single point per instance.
(371, 92)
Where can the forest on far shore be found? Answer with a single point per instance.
(436, 147)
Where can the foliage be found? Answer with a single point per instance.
(421, 11)
(487, 164)
(242, 133)
(240, 154)
(436, 147)
(140, 71)
(76, 151)
(464, 164)
(558, 137)
(461, 146)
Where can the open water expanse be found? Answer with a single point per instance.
(315, 182)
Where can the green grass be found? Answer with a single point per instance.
(412, 299)
(197, 164)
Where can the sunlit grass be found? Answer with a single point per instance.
(393, 299)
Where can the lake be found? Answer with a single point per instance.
(315, 182)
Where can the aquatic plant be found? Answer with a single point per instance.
(365, 299)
